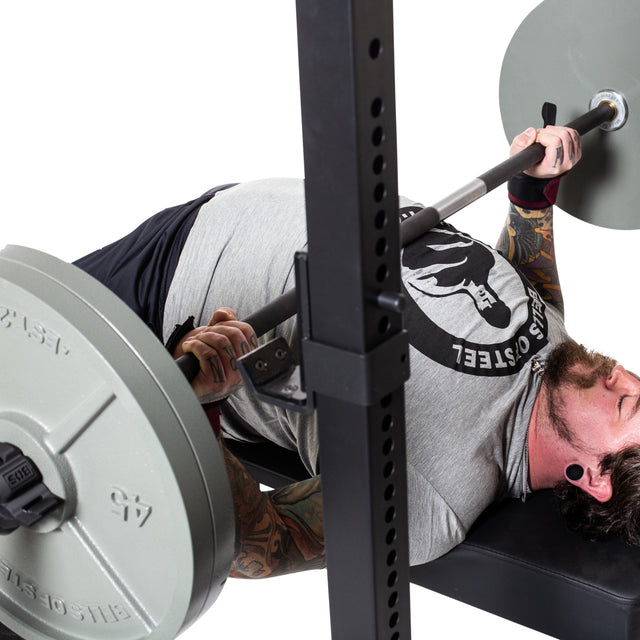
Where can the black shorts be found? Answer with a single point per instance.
(139, 268)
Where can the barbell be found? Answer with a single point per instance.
(109, 464)
(609, 110)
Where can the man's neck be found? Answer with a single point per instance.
(548, 453)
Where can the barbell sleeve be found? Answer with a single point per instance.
(285, 306)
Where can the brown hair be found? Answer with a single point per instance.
(618, 516)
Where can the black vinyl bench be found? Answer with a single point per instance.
(519, 562)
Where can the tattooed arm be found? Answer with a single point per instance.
(527, 242)
(527, 239)
(277, 532)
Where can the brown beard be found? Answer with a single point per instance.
(571, 365)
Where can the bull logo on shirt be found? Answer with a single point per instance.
(468, 308)
(451, 267)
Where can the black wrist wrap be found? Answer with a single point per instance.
(533, 193)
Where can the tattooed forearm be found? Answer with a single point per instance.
(527, 242)
(276, 532)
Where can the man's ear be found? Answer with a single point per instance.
(596, 484)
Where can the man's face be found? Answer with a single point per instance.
(598, 403)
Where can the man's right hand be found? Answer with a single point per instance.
(563, 150)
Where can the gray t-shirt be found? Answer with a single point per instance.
(479, 337)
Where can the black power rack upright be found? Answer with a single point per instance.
(355, 356)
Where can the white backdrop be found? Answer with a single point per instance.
(111, 111)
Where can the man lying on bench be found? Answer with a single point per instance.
(500, 401)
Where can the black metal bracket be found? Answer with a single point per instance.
(361, 379)
(273, 375)
(271, 371)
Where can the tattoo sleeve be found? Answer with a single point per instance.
(277, 532)
(527, 242)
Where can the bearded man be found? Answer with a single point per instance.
(501, 402)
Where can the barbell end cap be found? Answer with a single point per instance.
(617, 102)
(613, 106)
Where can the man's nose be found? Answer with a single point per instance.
(621, 380)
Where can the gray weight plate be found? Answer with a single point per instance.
(143, 543)
(566, 51)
